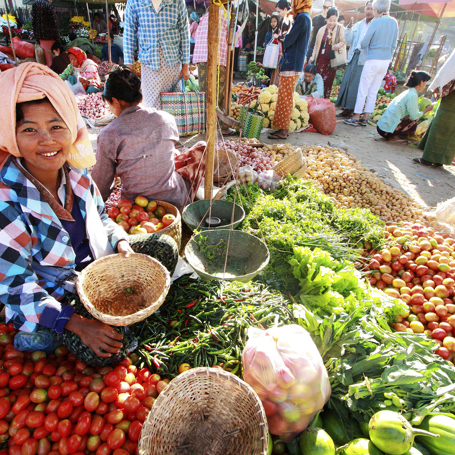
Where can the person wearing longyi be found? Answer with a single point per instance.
(53, 221)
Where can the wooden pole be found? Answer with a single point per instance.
(108, 36)
(90, 22)
(10, 34)
(212, 65)
(229, 64)
(256, 31)
(436, 29)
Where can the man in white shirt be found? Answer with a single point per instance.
(356, 59)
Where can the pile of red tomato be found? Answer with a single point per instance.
(55, 404)
(142, 217)
(419, 268)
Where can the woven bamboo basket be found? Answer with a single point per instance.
(225, 165)
(301, 172)
(289, 165)
(121, 291)
(206, 411)
(174, 230)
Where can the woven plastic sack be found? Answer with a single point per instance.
(23, 49)
(323, 115)
(285, 369)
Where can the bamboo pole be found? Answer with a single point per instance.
(434, 32)
(10, 34)
(256, 31)
(108, 36)
(229, 64)
(212, 65)
(90, 22)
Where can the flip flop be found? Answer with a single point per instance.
(230, 133)
(275, 136)
(352, 122)
(423, 162)
(363, 122)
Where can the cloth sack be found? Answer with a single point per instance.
(271, 54)
(338, 57)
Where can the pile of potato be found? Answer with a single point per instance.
(341, 176)
(278, 151)
(235, 111)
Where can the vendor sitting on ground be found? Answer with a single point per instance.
(82, 43)
(54, 223)
(401, 117)
(116, 51)
(82, 69)
(60, 60)
(310, 83)
(138, 146)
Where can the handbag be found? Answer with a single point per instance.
(271, 54)
(338, 57)
(253, 121)
(188, 109)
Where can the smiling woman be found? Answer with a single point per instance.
(53, 222)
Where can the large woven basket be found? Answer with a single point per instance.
(225, 165)
(121, 291)
(289, 165)
(302, 171)
(224, 254)
(174, 230)
(206, 411)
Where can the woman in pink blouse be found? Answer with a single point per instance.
(138, 146)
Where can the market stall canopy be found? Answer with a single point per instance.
(432, 8)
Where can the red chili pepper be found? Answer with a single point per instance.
(156, 363)
(214, 336)
(180, 311)
(196, 339)
(222, 299)
(193, 303)
(186, 322)
(148, 348)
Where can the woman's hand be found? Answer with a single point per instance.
(428, 108)
(275, 36)
(124, 247)
(130, 67)
(185, 73)
(95, 335)
(82, 80)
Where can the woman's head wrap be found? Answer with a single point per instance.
(194, 16)
(78, 53)
(301, 6)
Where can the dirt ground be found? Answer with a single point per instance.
(391, 161)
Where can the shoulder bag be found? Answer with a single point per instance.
(338, 57)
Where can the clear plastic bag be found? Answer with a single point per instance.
(247, 174)
(285, 369)
(77, 88)
(268, 180)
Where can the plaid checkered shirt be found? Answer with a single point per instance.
(201, 48)
(167, 28)
(35, 250)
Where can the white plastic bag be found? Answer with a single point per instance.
(268, 180)
(285, 369)
(445, 212)
(77, 88)
(247, 174)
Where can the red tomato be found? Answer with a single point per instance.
(151, 391)
(60, 370)
(61, 351)
(154, 379)
(130, 447)
(5, 406)
(138, 391)
(102, 408)
(113, 213)
(77, 412)
(132, 404)
(109, 394)
(15, 450)
(91, 401)
(56, 380)
(68, 376)
(39, 365)
(112, 379)
(64, 410)
(54, 392)
(21, 403)
(144, 374)
(96, 425)
(38, 396)
(5, 339)
(103, 449)
(76, 398)
(28, 369)
(40, 433)
(55, 436)
(115, 416)
(149, 402)
(19, 421)
(44, 446)
(3, 426)
(93, 442)
(142, 216)
(104, 370)
(97, 385)
(85, 391)
(4, 379)
(64, 428)
(21, 436)
(68, 387)
(35, 419)
(74, 442)
(116, 439)
(83, 425)
(52, 406)
(30, 447)
(12, 354)
(17, 382)
(134, 431)
(63, 446)
(123, 387)
(160, 211)
(15, 369)
(168, 219)
(120, 452)
(51, 422)
(42, 382)
(142, 413)
(85, 381)
(123, 426)
(106, 431)
(124, 203)
(120, 401)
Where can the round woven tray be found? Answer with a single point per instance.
(289, 165)
(206, 411)
(174, 230)
(225, 164)
(103, 288)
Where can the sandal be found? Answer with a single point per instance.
(352, 122)
(275, 136)
(363, 122)
(422, 161)
(231, 132)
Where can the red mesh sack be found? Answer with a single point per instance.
(23, 49)
(5, 49)
(323, 115)
(6, 66)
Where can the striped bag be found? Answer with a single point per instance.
(188, 108)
